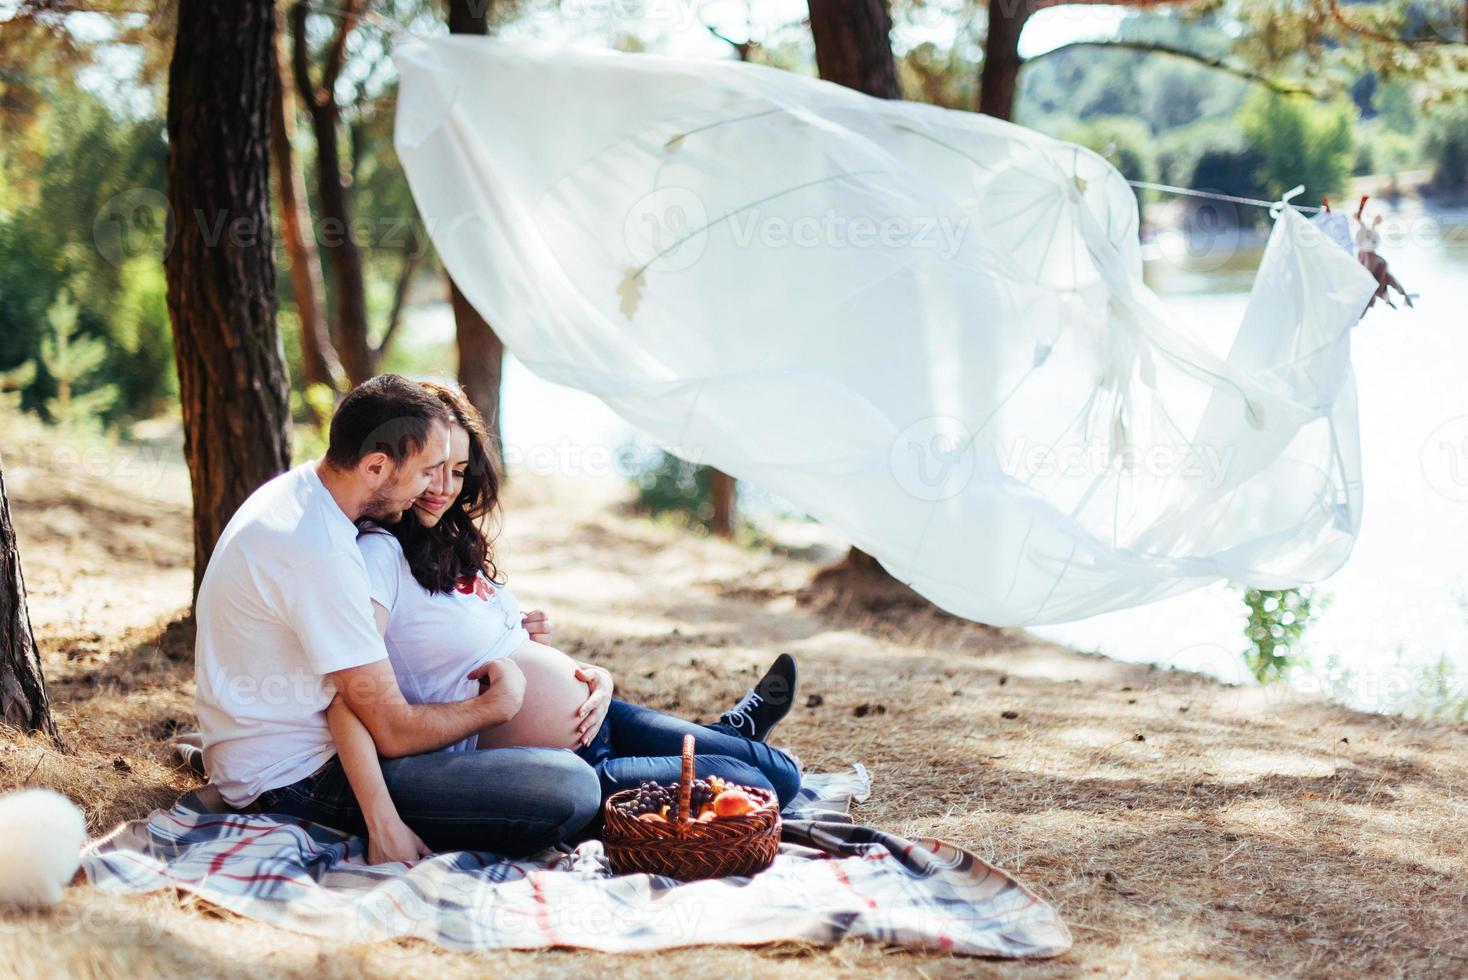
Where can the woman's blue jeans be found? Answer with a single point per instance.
(637, 743)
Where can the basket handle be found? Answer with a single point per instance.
(683, 816)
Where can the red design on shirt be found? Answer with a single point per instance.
(474, 584)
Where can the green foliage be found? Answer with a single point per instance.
(1445, 145)
(1437, 690)
(12, 382)
(71, 358)
(94, 167)
(1124, 142)
(311, 408)
(140, 358)
(1300, 141)
(1276, 630)
(1441, 694)
(939, 75)
(667, 485)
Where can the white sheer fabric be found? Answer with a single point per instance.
(925, 328)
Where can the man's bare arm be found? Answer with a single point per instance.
(399, 728)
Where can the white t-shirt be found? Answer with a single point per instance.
(284, 602)
(434, 639)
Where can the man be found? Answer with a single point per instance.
(285, 622)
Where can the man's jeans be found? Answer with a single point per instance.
(510, 801)
(637, 743)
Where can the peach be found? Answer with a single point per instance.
(734, 803)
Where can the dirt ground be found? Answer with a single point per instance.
(1181, 827)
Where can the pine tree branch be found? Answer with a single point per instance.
(1208, 61)
(1333, 7)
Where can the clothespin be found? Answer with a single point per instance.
(1325, 204)
(1285, 199)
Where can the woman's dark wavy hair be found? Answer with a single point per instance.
(459, 543)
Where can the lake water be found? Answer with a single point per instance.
(1398, 601)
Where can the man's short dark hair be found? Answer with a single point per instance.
(386, 414)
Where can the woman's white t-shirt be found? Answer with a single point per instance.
(434, 639)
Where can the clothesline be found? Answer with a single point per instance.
(1189, 192)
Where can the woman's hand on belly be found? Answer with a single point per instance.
(554, 694)
(594, 710)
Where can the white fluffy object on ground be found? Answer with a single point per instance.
(41, 837)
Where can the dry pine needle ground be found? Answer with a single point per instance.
(1182, 827)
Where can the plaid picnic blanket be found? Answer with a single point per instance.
(832, 879)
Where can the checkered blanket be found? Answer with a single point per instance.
(832, 879)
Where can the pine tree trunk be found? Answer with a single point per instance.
(319, 362)
(853, 45)
(999, 77)
(221, 270)
(348, 281)
(23, 702)
(481, 352)
(854, 48)
(481, 366)
(721, 496)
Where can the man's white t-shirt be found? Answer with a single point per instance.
(434, 639)
(285, 601)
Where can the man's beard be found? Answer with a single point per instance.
(384, 509)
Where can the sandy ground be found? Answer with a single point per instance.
(1182, 827)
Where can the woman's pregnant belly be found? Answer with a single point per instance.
(547, 717)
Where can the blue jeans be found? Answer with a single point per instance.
(510, 801)
(637, 743)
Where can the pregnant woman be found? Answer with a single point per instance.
(451, 627)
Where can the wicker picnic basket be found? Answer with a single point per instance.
(686, 849)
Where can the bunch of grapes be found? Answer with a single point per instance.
(701, 795)
(653, 798)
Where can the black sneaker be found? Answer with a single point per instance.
(766, 703)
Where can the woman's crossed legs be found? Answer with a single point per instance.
(637, 744)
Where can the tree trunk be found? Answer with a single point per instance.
(854, 48)
(319, 362)
(721, 496)
(853, 45)
(999, 77)
(481, 366)
(221, 270)
(481, 352)
(23, 702)
(348, 283)
(469, 16)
